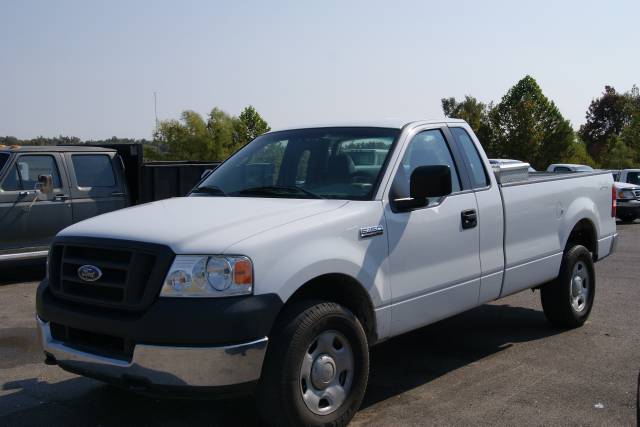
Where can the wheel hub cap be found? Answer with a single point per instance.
(323, 371)
(326, 372)
(580, 286)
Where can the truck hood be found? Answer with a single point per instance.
(625, 186)
(200, 225)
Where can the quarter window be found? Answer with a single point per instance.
(93, 170)
(479, 177)
(427, 148)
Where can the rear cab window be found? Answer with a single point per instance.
(93, 170)
(478, 174)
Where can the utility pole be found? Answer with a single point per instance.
(155, 110)
(155, 107)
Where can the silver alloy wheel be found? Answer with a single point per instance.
(326, 374)
(579, 286)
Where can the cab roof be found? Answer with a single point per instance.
(392, 123)
(51, 148)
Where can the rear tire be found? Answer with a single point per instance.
(316, 368)
(567, 300)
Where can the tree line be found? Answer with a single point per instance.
(526, 125)
(215, 137)
(190, 138)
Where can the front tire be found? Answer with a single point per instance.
(316, 369)
(567, 300)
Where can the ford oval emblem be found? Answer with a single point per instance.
(89, 273)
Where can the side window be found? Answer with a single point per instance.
(29, 168)
(12, 180)
(562, 169)
(427, 148)
(93, 170)
(479, 177)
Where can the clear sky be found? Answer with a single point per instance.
(89, 68)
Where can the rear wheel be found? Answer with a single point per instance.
(567, 300)
(316, 368)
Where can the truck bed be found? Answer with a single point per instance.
(540, 211)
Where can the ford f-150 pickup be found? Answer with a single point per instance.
(281, 268)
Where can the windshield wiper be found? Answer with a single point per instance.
(279, 190)
(209, 189)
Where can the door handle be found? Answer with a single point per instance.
(26, 193)
(60, 197)
(469, 218)
(117, 194)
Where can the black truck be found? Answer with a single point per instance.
(44, 189)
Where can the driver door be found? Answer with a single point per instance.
(28, 223)
(434, 258)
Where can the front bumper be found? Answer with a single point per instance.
(628, 208)
(159, 365)
(176, 345)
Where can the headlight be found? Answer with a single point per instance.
(626, 194)
(203, 276)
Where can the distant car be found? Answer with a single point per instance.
(627, 193)
(508, 162)
(630, 176)
(568, 167)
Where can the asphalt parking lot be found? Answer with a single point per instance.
(498, 364)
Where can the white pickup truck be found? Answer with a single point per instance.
(283, 266)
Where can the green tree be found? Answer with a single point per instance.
(475, 113)
(194, 138)
(528, 126)
(607, 117)
(577, 153)
(251, 125)
(630, 136)
(617, 155)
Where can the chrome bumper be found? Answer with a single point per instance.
(165, 365)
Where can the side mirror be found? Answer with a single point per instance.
(206, 173)
(44, 186)
(425, 182)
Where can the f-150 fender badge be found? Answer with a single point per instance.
(374, 230)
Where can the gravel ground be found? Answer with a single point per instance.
(498, 364)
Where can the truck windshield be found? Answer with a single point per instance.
(328, 163)
(3, 159)
(632, 177)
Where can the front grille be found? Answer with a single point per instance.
(132, 272)
(91, 342)
(636, 193)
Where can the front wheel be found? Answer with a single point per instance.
(316, 369)
(567, 300)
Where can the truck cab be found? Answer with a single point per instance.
(86, 181)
